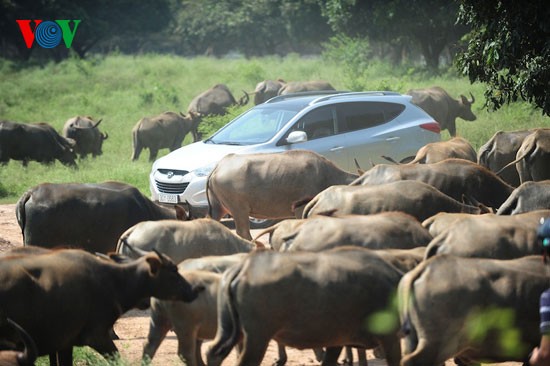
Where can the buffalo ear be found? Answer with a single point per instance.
(154, 264)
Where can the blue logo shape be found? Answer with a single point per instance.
(48, 34)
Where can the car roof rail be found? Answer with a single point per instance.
(349, 94)
(279, 98)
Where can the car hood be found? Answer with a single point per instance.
(197, 155)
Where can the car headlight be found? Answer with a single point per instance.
(205, 170)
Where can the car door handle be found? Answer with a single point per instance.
(393, 138)
(337, 148)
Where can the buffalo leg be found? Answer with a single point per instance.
(187, 348)
(254, 349)
(282, 355)
(331, 356)
(63, 357)
(104, 345)
(242, 224)
(159, 326)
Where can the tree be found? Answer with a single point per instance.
(430, 24)
(509, 50)
(254, 27)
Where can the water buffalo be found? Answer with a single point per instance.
(238, 184)
(182, 240)
(441, 106)
(303, 86)
(434, 152)
(475, 309)
(195, 321)
(533, 157)
(69, 297)
(501, 149)
(416, 198)
(91, 216)
(166, 130)
(34, 141)
(527, 197)
(253, 303)
(320, 232)
(84, 131)
(454, 177)
(490, 236)
(267, 89)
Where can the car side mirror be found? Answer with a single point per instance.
(296, 136)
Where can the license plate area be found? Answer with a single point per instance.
(168, 198)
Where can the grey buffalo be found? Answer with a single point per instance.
(415, 198)
(90, 216)
(500, 150)
(85, 132)
(34, 142)
(527, 197)
(253, 301)
(213, 101)
(490, 236)
(182, 240)
(442, 107)
(238, 184)
(467, 308)
(77, 297)
(166, 130)
(533, 156)
(195, 321)
(268, 89)
(379, 231)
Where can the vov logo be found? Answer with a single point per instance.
(48, 34)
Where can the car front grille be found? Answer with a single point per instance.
(177, 188)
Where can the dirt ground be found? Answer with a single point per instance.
(133, 327)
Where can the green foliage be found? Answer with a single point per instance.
(122, 89)
(86, 356)
(508, 49)
(428, 25)
(498, 324)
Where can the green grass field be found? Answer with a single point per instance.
(122, 89)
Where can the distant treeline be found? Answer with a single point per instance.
(396, 30)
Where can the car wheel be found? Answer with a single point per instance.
(261, 223)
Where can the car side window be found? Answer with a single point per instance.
(360, 115)
(318, 123)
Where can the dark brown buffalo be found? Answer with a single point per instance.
(529, 196)
(34, 142)
(457, 178)
(499, 151)
(444, 108)
(166, 130)
(89, 216)
(69, 297)
(85, 132)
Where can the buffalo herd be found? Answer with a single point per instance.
(413, 259)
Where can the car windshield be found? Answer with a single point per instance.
(255, 126)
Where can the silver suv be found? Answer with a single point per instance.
(342, 126)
